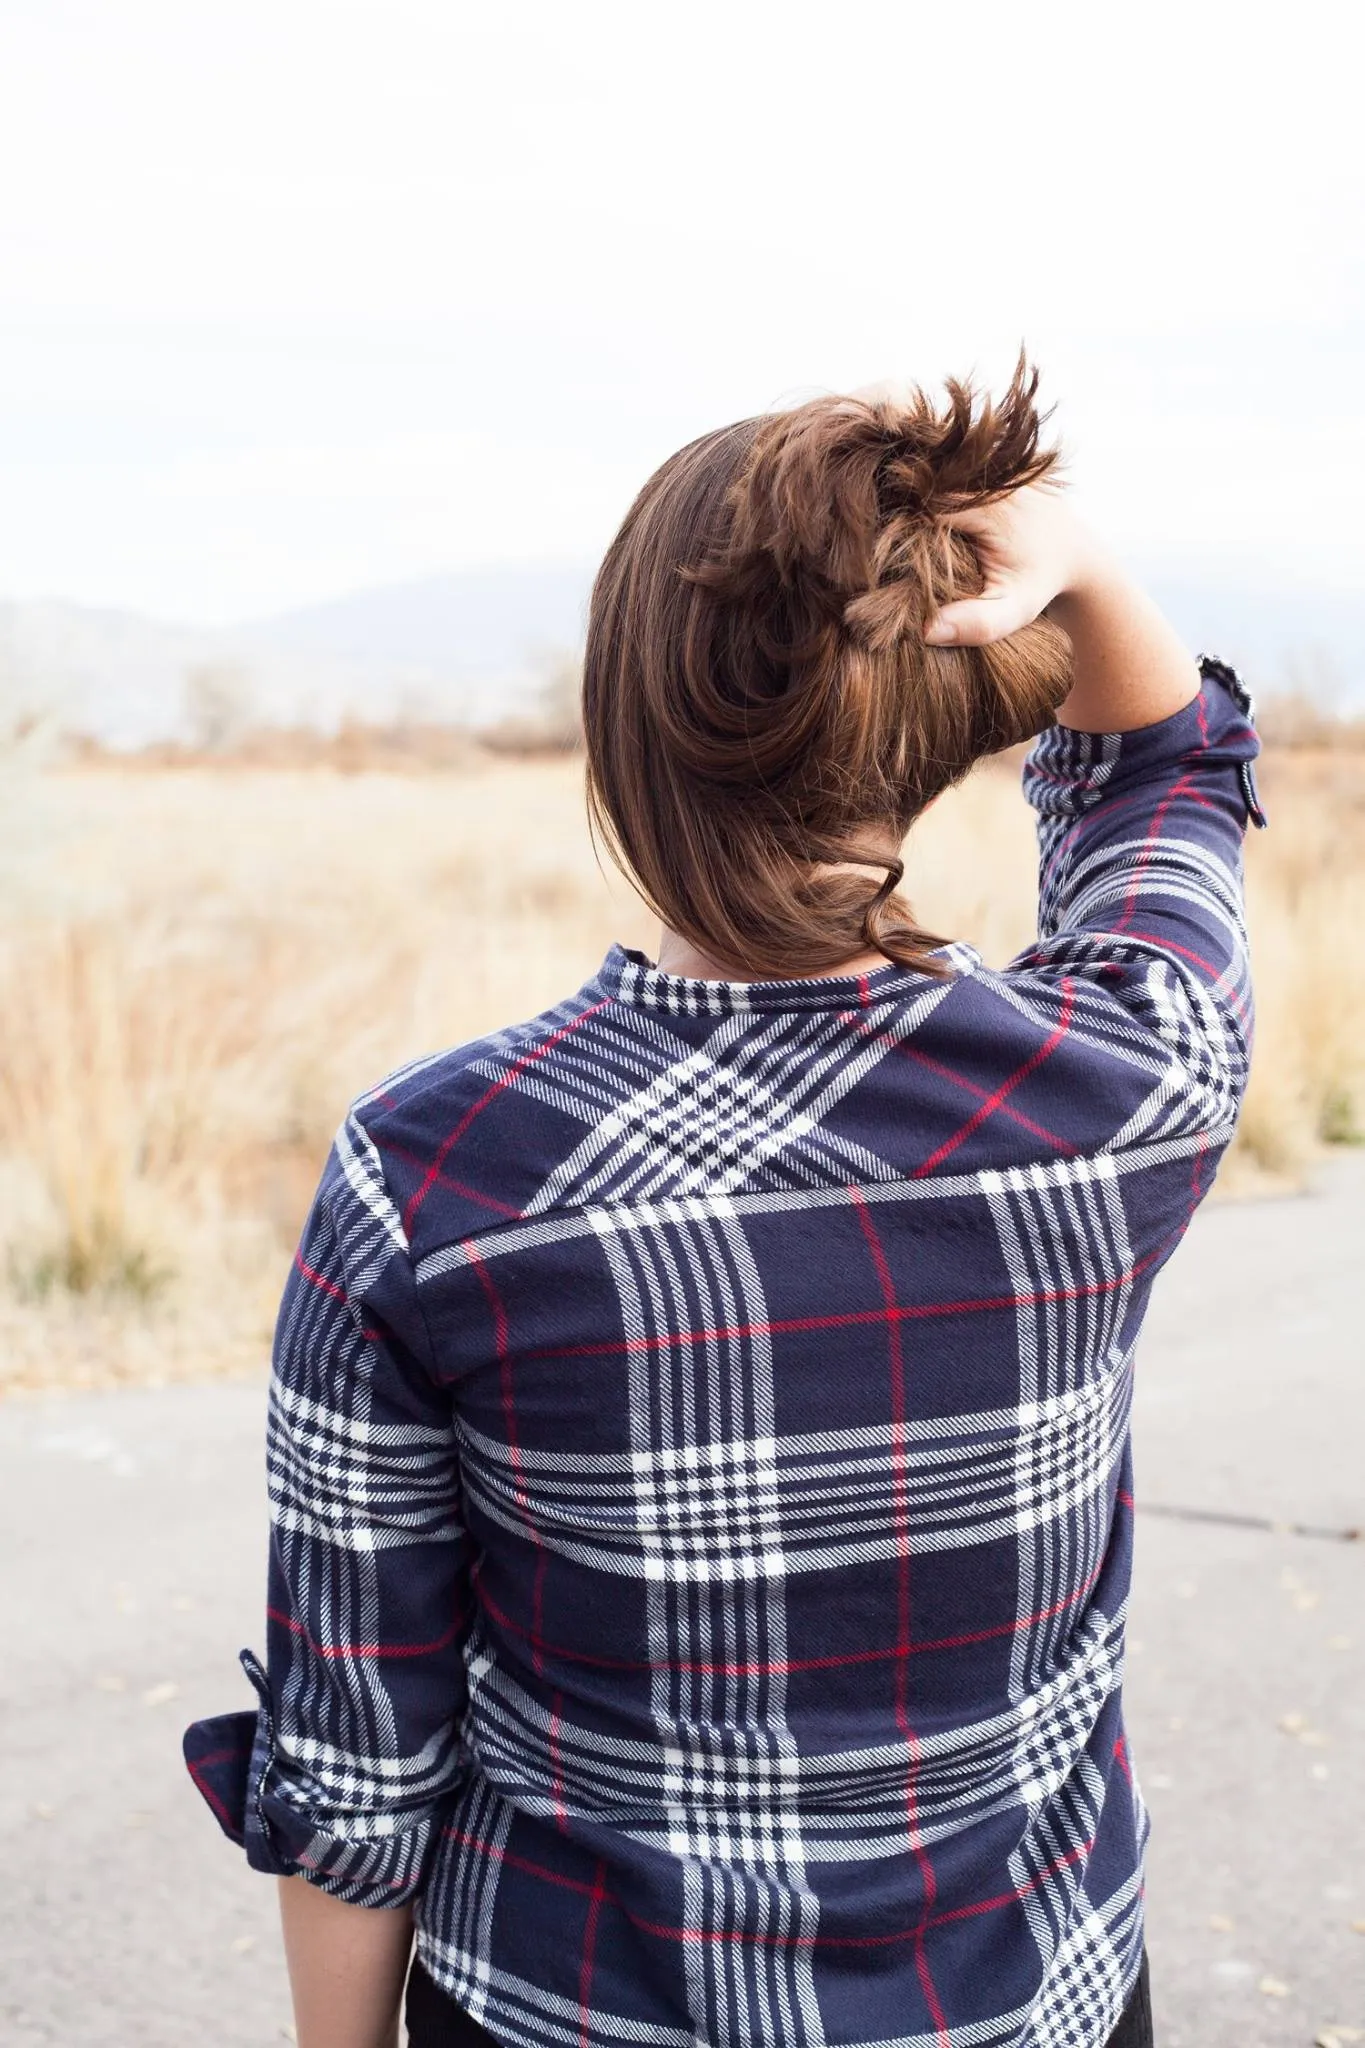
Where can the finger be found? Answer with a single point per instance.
(977, 621)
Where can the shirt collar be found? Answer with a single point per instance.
(627, 976)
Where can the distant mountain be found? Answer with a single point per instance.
(469, 649)
(109, 673)
(474, 647)
(474, 622)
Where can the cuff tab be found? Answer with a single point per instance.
(1252, 796)
(229, 1758)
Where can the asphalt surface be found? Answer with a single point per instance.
(132, 1566)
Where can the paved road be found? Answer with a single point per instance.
(131, 1566)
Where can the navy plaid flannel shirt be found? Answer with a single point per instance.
(699, 1465)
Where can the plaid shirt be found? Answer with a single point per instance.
(700, 1475)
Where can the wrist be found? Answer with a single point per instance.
(1129, 666)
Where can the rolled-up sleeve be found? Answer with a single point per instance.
(344, 1771)
(1141, 905)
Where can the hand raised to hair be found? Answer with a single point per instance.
(1033, 549)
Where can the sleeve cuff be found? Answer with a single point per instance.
(218, 1758)
(1068, 772)
(232, 1761)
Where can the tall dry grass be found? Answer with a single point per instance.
(204, 965)
(1306, 894)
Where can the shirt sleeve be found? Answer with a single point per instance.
(346, 1768)
(1141, 909)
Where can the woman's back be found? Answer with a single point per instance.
(782, 1337)
(700, 1479)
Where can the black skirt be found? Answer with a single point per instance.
(436, 2021)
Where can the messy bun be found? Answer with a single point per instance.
(763, 718)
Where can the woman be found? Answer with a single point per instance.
(700, 1481)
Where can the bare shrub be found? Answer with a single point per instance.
(219, 706)
(554, 724)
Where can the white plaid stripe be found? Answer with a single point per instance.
(754, 1508)
(513, 1238)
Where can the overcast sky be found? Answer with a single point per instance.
(303, 295)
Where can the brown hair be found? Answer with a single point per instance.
(757, 695)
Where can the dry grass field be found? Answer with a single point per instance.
(204, 963)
